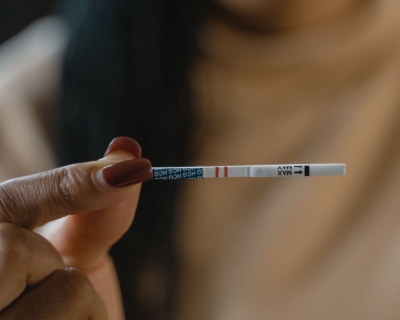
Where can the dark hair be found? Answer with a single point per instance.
(125, 74)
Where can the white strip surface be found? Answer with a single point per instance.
(252, 171)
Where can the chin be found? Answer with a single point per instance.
(246, 8)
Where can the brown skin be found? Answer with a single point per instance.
(72, 297)
(97, 216)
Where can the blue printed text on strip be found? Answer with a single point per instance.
(178, 173)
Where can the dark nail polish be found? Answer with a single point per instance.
(126, 173)
(125, 144)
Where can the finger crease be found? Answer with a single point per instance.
(5, 215)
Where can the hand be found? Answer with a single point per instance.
(98, 200)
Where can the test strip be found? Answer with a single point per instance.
(252, 171)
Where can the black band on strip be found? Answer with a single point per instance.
(306, 171)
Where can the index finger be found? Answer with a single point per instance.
(34, 200)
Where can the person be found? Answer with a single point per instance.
(238, 82)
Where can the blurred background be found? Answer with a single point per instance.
(15, 15)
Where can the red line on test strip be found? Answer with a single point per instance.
(225, 172)
(216, 172)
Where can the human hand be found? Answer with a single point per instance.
(98, 200)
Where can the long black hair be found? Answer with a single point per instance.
(125, 74)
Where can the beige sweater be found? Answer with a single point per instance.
(297, 248)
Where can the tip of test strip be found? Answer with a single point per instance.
(337, 169)
(297, 170)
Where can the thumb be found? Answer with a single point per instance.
(84, 239)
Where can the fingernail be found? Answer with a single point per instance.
(125, 173)
(125, 144)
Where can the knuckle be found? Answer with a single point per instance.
(77, 286)
(28, 201)
(14, 249)
(67, 184)
(8, 203)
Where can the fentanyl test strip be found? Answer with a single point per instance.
(253, 171)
